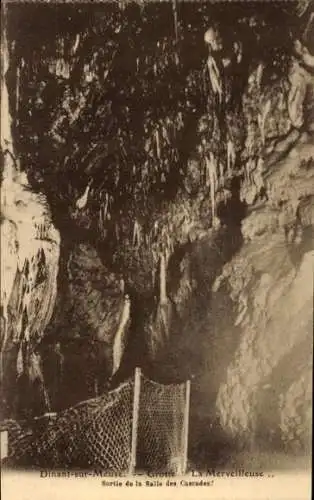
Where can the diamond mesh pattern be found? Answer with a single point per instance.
(161, 426)
(98, 433)
(94, 433)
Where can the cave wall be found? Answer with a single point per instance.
(199, 213)
(263, 393)
(29, 267)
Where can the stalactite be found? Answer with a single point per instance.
(249, 167)
(175, 19)
(35, 373)
(46, 397)
(101, 221)
(9, 167)
(221, 173)
(162, 280)
(6, 118)
(215, 77)
(136, 239)
(120, 336)
(180, 120)
(96, 390)
(76, 44)
(261, 118)
(17, 100)
(157, 143)
(82, 201)
(165, 135)
(62, 68)
(231, 157)
(106, 205)
(20, 362)
(117, 230)
(211, 168)
(122, 285)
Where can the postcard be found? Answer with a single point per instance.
(157, 212)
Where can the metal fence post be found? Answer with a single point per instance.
(136, 405)
(186, 426)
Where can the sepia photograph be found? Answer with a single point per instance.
(157, 243)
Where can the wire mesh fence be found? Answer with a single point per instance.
(141, 425)
(93, 433)
(161, 427)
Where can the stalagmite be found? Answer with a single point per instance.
(120, 337)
